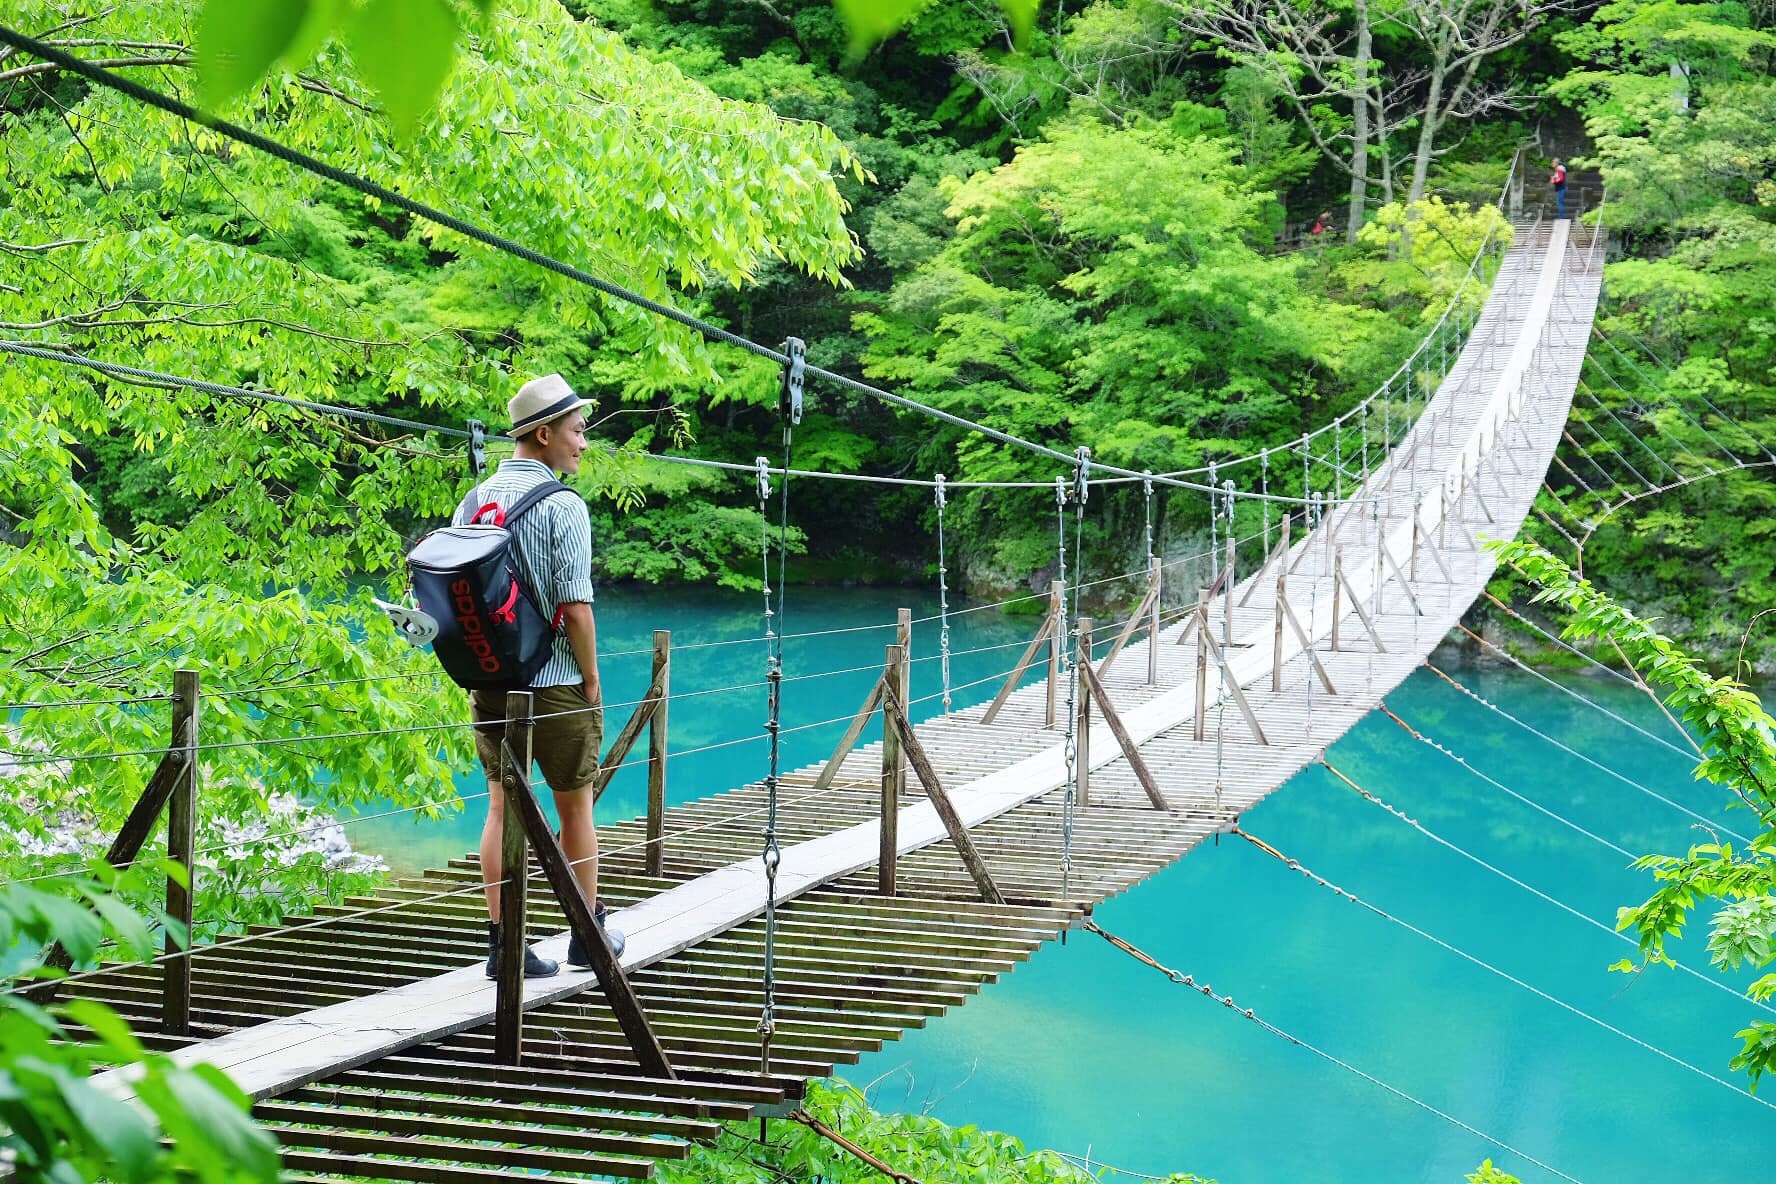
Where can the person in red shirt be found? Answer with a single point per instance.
(1558, 180)
(1322, 224)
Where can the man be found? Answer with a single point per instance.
(1322, 224)
(1558, 180)
(552, 547)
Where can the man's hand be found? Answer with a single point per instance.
(592, 691)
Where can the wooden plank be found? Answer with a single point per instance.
(1023, 664)
(1230, 685)
(137, 826)
(1387, 557)
(513, 889)
(1307, 646)
(1141, 616)
(848, 741)
(1205, 594)
(1082, 658)
(1276, 553)
(619, 749)
(1057, 614)
(893, 677)
(1357, 607)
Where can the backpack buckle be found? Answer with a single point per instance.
(419, 629)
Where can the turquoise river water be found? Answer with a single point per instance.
(1087, 1051)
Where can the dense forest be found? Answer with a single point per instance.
(1094, 237)
(1090, 230)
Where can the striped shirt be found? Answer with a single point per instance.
(552, 544)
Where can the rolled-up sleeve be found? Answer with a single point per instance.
(571, 547)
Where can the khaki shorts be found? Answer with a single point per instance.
(566, 746)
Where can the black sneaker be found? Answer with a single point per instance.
(576, 953)
(534, 966)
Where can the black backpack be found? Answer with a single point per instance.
(491, 635)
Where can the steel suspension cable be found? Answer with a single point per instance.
(1310, 874)
(1065, 629)
(1566, 690)
(1227, 1001)
(1571, 751)
(943, 593)
(1502, 874)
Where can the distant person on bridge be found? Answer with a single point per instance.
(1558, 180)
(1322, 224)
(553, 552)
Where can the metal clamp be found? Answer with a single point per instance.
(942, 498)
(1081, 489)
(795, 371)
(477, 449)
(763, 468)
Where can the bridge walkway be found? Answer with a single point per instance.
(364, 1035)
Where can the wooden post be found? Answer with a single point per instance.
(1082, 657)
(1155, 570)
(1337, 594)
(508, 999)
(1130, 750)
(1057, 614)
(137, 826)
(617, 992)
(175, 985)
(1279, 553)
(655, 862)
(1045, 633)
(1227, 586)
(897, 721)
(893, 668)
(1276, 644)
(1202, 662)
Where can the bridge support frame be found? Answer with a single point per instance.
(618, 993)
(172, 788)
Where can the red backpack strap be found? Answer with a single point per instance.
(499, 515)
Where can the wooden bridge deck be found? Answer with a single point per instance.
(367, 1040)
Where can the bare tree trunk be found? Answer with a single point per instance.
(1359, 191)
(1427, 131)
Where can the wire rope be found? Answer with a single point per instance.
(1545, 996)
(1502, 874)
(1571, 751)
(1568, 691)
(1227, 1001)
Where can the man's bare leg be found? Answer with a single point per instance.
(492, 853)
(579, 838)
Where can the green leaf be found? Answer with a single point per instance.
(107, 1025)
(74, 926)
(130, 1143)
(238, 41)
(132, 932)
(405, 48)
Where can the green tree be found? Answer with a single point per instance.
(1105, 286)
(1737, 754)
(149, 529)
(57, 1126)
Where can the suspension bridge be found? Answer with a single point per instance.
(903, 875)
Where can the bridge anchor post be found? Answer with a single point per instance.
(508, 999)
(655, 862)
